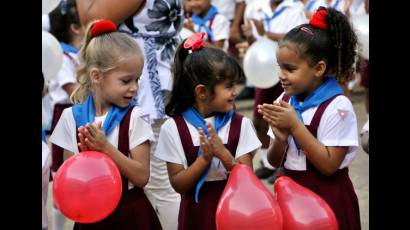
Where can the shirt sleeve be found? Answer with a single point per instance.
(140, 130)
(297, 17)
(220, 28)
(338, 126)
(64, 134)
(169, 146)
(248, 140)
(66, 74)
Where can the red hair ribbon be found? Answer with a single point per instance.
(102, 27)
(195, 41)
(319, 19)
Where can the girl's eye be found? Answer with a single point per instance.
(290, 69)
(125, 81)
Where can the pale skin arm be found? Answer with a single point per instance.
(327, 159)
(183, 180)
(135, 168)
(116, 11)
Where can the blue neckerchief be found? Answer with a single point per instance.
(85, 113)
(202, 22)
(310, 4)
(43, 135)
(336, 4)
(195, 118)
(329, 88)
(68, 48)
(276, 13)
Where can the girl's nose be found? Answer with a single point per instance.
(134, 87)
(282, 75)
(234, 91)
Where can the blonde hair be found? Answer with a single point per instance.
(102, 52)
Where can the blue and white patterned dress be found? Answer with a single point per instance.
(156, 29)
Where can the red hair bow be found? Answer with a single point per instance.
(102, 27)
(319, 19)
(195, 41)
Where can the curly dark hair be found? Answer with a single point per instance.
(208, 66)
(336, 45)
(61, 18)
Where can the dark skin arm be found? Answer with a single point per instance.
(327, 159)
(116, 11)
(183, 180)
(234, 34)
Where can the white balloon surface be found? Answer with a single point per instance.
(260, 65)
(49, 5)
(51, 55)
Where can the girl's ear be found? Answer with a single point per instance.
(320, 68)
(201, 92)
(95, 75)
(76, 29)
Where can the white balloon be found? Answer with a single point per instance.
(260, 65)
(49, 5)
(361, 27)
(51, 55)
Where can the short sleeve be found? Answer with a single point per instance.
(64, 134)
(338, 126)
(169, 146)
(66, 74)
(220, 28)
(297, 17)
(248, 140)
(140, 130)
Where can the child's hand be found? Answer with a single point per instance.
(95, 138)
(280, 134)
(259, 26)
(247, 29)
(204, 145)
(280, 115)
(83, 147)
(189, 25)
(215, 142)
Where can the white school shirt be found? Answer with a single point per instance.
(291, 17)
(170, 147)
(337, 4)
(220, 28)
(316, 5)
(64, 134)
(226, 7)
(338, 127)
(64, 76)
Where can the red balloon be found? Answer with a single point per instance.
(87, 187)
(301, 208)
(246, 203)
